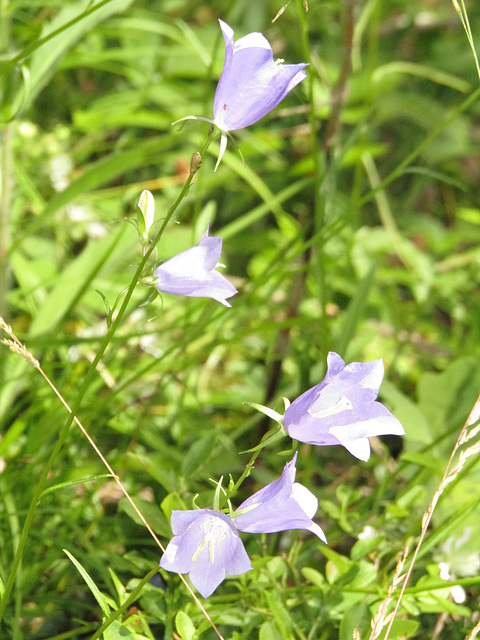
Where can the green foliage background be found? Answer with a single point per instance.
(353, 225)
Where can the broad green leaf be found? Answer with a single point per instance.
(117, 631)
(316, 578)
(74, 281)
(416, 425)
(342, 563)
(363, 547)
(184, 626)
(401, 629)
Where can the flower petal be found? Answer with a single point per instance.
(280, 506)
(251, 84)
(192, 272)
(342, 409)
(207, 546)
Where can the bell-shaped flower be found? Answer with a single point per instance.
(280, 506)
(207, 546)
(192, 273)
(251, 84)
(342, 409)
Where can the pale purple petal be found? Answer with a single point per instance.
(280, 506)
(192, 273)
(207, 546)
(342, 409)
(251, 84)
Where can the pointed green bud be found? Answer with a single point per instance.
(146, 204)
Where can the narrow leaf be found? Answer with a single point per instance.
(91, 584)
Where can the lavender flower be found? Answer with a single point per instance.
(207, 546)
(342, 409)
(251, 84)
(192, 273)
(282, 505)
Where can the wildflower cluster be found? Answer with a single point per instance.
(341, 410)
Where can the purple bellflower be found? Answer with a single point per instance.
(192, 273)
(251, 84)
(207, 546)
(280, 506)
(342, 409)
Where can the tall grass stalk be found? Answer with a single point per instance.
(15, 345)
(451, 473)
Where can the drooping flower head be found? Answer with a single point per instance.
(207, 546)
(192, 273)
(280, 506)
(342, 409)
(251, 84)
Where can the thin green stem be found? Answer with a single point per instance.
(25, 53)
(6, 165)
(400, 169)
(319, 209)
(88, 377)
(269, 437)
(5, 203)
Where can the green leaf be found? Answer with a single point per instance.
(116, 631)
(357, 617)
(449, 526)
(99, 173)
(410, 415)
(99, 597)
(184, 626)
(74, 281)
(269, 631)
(72, 483)
(197, 455)
(72, 23)
(424, 460)
(280, 614)
(316, 578)
(401, 629)
(337, 565)
(150, 512)
(156, 466)
(355, 311)
(363, 547)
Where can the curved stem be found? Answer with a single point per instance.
(76, 405)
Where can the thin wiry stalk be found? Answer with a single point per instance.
(461, 10)
(451, 473)
(15, 345)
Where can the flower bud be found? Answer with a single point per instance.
(146, 204)
(195, 163)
